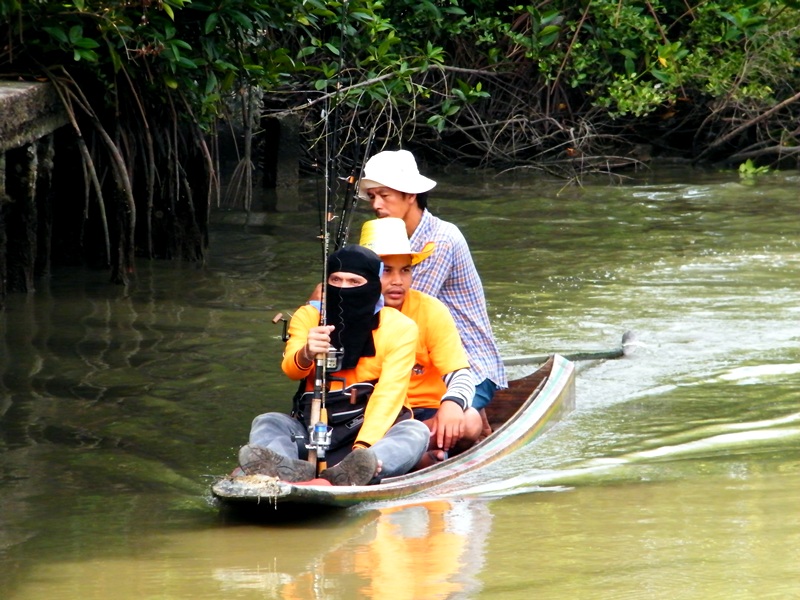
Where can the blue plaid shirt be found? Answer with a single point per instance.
(450, 275)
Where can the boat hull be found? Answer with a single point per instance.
(518, 415)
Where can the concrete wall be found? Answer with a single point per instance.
(29, 113)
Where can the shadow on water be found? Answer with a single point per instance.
(270, 514)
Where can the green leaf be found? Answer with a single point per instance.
(211, 83)
(211, 23)
(437, 121)
(225, 65)
(242, 19)
(57, 33)
(116, 61)
(661, 75)
(86, 43)
(75, 33)
(87, 55)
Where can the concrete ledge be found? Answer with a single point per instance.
(28, 111)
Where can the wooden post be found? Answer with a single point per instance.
(3, 202)
(21, 218)
(281, 163)
(44, 205)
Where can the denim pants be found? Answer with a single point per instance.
(484, 392)
(399, 450)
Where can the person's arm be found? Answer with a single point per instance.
(448, 423)
(306, 339)
(396, 351)
(460, 388)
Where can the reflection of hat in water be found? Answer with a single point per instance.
(388, 237)
(396, 170)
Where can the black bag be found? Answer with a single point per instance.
(346, 410)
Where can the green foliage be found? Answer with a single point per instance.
(632, 57)
(617, 58)
(748, 171)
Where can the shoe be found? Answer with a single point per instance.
(255, 460)
(357, 468)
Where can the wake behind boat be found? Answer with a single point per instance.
(518, 415)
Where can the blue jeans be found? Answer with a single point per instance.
(423, 414)
(399, 450)
(484, 392)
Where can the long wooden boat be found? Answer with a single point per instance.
(517, 415)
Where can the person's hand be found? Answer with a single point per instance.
(318, 341)
(448, 425)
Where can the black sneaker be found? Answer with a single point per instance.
(255, 460)
(357, 468)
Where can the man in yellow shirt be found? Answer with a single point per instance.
(442, 385)
(378, 344)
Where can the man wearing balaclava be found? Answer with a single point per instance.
(378, 349)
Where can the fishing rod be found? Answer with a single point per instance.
(351, 193)
(319, 433)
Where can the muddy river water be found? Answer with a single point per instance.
(677, 476)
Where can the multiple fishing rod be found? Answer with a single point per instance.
(319, 433)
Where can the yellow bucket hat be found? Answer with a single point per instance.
(388, 237)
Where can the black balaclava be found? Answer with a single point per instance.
(352, 310)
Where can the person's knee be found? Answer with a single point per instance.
(271, 428)
(415, 431)
(268, 419)
(473, 425)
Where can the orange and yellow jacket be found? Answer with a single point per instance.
(395, 344)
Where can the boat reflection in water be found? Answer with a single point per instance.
(431, 550)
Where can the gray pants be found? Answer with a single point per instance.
(399, 450)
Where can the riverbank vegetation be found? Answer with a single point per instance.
(565, 88)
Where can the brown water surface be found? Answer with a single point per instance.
(676, 477)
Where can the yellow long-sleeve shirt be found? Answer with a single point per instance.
(395, 345)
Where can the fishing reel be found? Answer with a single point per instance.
(333, 360)
(319, 438)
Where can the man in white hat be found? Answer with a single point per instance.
(441, 388)
(395, 188)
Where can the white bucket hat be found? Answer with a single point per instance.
(396, 170)
(388, 237)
